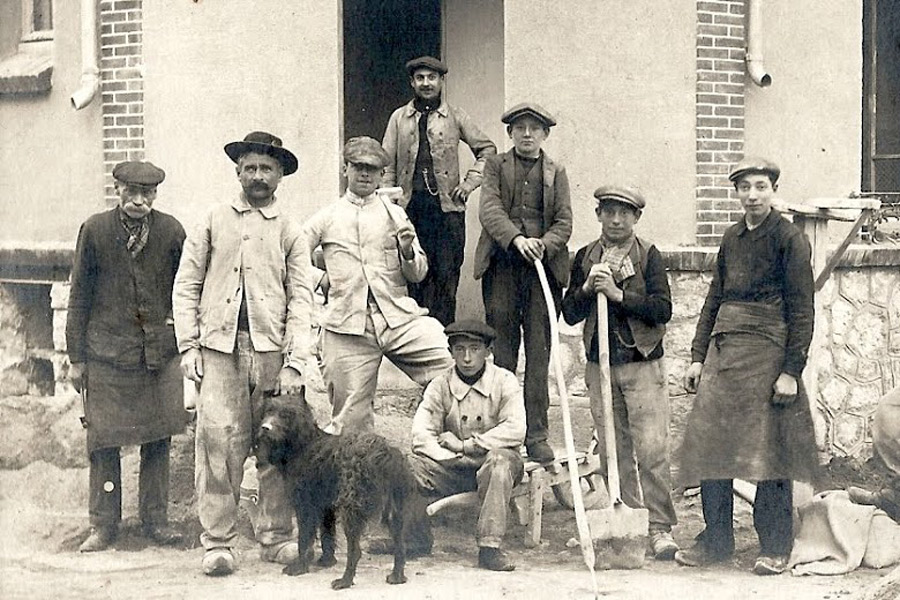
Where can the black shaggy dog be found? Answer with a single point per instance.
(351, 477)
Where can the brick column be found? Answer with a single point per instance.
(122, 85)
(720, 114)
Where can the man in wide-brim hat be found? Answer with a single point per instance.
(238, 309)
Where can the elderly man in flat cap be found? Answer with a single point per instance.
(121, 344)
(238, 318)
(526, 214)
(751, 417)
(371, 252)
(422, 140)
(629, 271)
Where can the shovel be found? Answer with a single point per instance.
(581, 519)
(620, 532)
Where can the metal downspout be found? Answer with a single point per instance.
(754, 56)
(90, 72)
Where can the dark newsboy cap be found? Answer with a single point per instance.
(530, 109)
(426, 62)
(472, 329)
(263, 143)
(365, 150)
(135, 172)
(620, 193)
(754, 165)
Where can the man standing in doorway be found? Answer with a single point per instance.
(422, 140)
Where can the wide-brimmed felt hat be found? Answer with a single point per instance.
(755, 164)
(263, 143)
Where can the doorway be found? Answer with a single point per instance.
(379, 38)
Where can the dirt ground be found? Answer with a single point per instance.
(43, 519)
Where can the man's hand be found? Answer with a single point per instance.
(785, 390)
(600, 281)
(405, 237)
(325, 285)
(461, 462)
(192, 365)
(76, 375)
(289, 381)
(692, 377)
(461, 192)
(531, 249)
(449, 441)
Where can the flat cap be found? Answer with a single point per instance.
(472, 329)
(530, 109)
(426, 62)
(136, 172)
(262, 142)
(621, 193)
(365, 150)
(754, 164)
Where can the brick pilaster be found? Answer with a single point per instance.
(122, 85)
(720, 114)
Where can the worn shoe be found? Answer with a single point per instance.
(700, 556)
(283, 553)
(493, 559)
(386, 546)
(218, 561)
(770, 565)
(540, 452)
(663, 545)
(99, 539)
(163, 535)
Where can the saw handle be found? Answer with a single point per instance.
(609, 428)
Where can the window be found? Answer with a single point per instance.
(881, 100)
(37, 20)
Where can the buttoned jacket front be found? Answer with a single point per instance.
(497, 197)
(358, 237)
(490, 412)
(447, 126)
(241, 251)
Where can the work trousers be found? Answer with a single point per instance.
(772, 517)
(494, 480)
(105, 483)
(350, 364)
(640, 399)
(443, 238)
(514, 306)
(229, 411)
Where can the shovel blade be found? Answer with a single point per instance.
(620, 536)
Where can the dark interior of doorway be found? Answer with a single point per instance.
(379, 37)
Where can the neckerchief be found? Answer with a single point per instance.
(471, 379)
(138, 231)
(614, 254)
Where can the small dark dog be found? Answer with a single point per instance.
(351, 477)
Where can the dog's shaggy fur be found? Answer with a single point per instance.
(351, 477)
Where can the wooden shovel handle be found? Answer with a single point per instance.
(609, 429)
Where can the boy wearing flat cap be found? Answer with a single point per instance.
(239, 322)
(371, 252)
(751, 418)
(526, 215)
(630, 272)
(422, 143)
(121, 344)
(467, 432)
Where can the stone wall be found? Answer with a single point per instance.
(857, 362)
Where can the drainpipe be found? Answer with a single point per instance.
(90, 73)
(753, 56)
